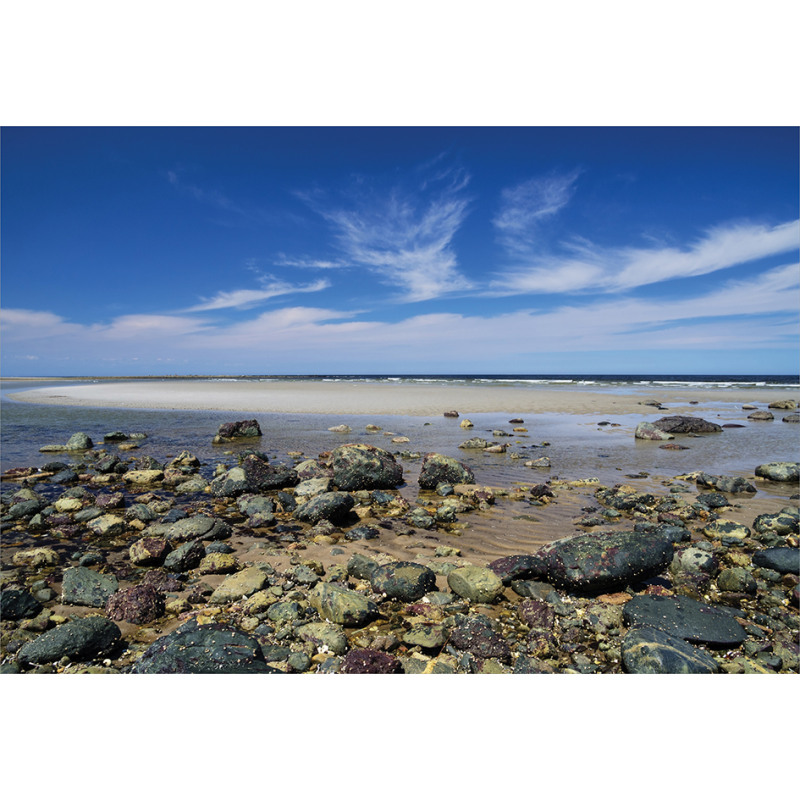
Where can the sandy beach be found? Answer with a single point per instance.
(340, 397)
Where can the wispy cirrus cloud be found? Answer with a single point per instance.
(623, 268)
(248, 298)
(526, 206)
(404, 235)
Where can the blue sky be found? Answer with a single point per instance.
(393, 250)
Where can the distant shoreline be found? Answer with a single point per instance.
(403, 399)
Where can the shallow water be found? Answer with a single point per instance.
(578, 446)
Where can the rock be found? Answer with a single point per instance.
(783, 471)
(784, 523)
(403, 580)
(539, 463)
(361, 567)
(138, 604)
(476, 443)
(143, 476)
(536, 614)
(510, 568)
(197, 527)
(420, 518)
(685, 618)
(647, 650)
(438, 469)
(781, 559)
(78, 640)
(736, 579)
(311, 487)
(761, 416)
(326, 506)
(362, 466)
(185, 557)
(37, 557)
(476, 584)
(451, 413)
(325, 636)
(18, 604)
(791, 418)
(726, 529)
(241, 584)
(465, 423)
(79, 441)
(149, 551)
(595, 562)
(231, 431)
(783, 404)
(427, 635)
(694, 560)
(211, 648)
(370, 662)
(724, 484)
(217, 564)
(341, 429)
(253, 475)
(342, 606)
(474, 635)
(678, 424)
(82, 586)
(647, 430)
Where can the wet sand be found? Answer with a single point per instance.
(320, 397)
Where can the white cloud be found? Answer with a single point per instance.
(759, 312)
(527, 205)
(247, 298)
(619, 269)
(404, 236)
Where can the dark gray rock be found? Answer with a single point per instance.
(253, 475)
(204, 649)
(647, 650)
(361, 566)
(403, 580)
(82, 586)
(185, 557)
(79, 441)
(781, 559)
(328, 505)
(685, 618)
(725, 484)
(438, 469)
(595, 562)
(18, 604)
(231, 431)
(362, 466)
(679, 424)
(736, 579)
(648, 431)
(78, 640)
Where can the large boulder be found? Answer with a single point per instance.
(362, 466)
(253, 475)
(211, 648)
(781, 559)
(328, 505)
(82, 586)
(678, 424)
(78, 640)
(438, 469)
(79, 441)
(783, 471)
(595, 562)
(685, 618)
(647, 430)
(651, 651)
(231, 431)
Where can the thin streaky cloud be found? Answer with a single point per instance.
(247, 298)
(624, 268)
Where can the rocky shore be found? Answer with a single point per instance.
(118, 563)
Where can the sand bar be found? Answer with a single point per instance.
(341, 397)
